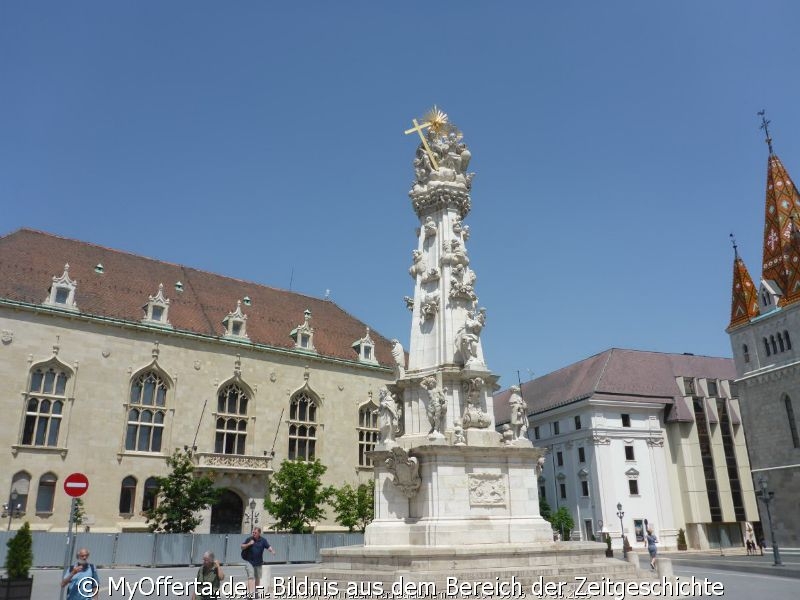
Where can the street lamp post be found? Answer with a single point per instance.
(253, 516)
(768, 497)
(12, 508)
(621, 514)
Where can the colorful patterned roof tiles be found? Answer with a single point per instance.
(782, 201)
(744, 304)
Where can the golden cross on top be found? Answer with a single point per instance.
(418, 128)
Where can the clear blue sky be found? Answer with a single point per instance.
(616, 146)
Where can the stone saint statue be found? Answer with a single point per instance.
(519, 413)
(388, 417)
(469, 336)
(399, 356)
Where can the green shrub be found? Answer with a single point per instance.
(19, 558)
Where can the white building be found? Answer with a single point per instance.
(658, 433)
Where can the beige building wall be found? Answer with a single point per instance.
(103, 358)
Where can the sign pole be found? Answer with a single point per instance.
(68, 549)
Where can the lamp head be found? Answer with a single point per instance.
(14, 495)
(619, 506)
(252, 504)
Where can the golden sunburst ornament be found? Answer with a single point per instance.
(437, 120)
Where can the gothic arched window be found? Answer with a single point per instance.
(766, 346)
(45, 406)
(367, 433)
(146, 413)
(788, 341)
(302, 427)
(127, 495)
(46, 493)
(231, 429)
(792, 421)
(746, 353)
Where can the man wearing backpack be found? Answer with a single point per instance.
(253, 555)
(81, 578)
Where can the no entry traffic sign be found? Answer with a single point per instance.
(76, 484)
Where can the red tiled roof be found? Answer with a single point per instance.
(30, 259)
(626, 375)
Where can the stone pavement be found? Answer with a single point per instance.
(738, 560)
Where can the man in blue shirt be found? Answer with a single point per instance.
(81, 578)
(253, 555)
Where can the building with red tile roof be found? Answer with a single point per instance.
(111, 360)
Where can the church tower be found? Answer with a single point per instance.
(765, 333)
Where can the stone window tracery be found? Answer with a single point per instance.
(46, 493)
(365, 348)
(146, 413)
(45, 406)
(302, 427)
(231, 428)
(368, 432)
(127, 495)
(303, 335)
(236, 323)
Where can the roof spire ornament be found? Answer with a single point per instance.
(765, 126)
(735, 247)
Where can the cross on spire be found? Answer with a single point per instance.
(764, 125)
(735, 247)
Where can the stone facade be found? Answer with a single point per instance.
(764, 332)
(620, 427)
(88, 368)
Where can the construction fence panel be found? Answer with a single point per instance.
(173, 549)
(135, 549)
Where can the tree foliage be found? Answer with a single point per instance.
(79, 514)
(562, 521)
(180, 496)
(544, 509)
(355, 507)
(296, 496)
(19, 558)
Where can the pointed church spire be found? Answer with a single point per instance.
(744, 303)
(793, 263)
(765, 126)
(782, 201)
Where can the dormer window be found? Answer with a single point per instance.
(770, 293)
(303, 335)
(236, 323)
(62, 291)
(157, 308)
(365, 348)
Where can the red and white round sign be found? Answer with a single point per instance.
(76, 484)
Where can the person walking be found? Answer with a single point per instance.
(81, 578)
(253, 554)
(209, 576)
(651, 540)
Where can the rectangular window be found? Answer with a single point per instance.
(587, 525)
(629, 453)
(304, 340)
(577, 422)
(712, 389)
(556, 428)
(560, 459)
(633, 487)
(563, 489)
(543, 492)
(536, 432)
(158, 312)
(581, 455)
(62, 295)
(368, 352)
(626, 420)
(584, 488)
(688, 385)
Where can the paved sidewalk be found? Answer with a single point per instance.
(738, 560)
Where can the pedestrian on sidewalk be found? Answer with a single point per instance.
(650, 541)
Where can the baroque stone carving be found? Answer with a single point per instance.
(405, 470)
(399, 356)
(519, 414)
(452, 156)
(388, 417)
(487, 489)
(430, 227)
(409, 302)
(458, 434)
(233, 461)
(419, 266)
(473, 416)
(6, 337)
(462, 282)
(431, 275)
(454, 253)
(468, 337)
(600, 440)
(656, 442)
(437, 406)
(461, 230)
(429, 307)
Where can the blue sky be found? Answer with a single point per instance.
(616, 145)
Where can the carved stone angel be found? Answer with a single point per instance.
(399, 356)
(388, 417)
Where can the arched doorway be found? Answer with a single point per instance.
(227, 513)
